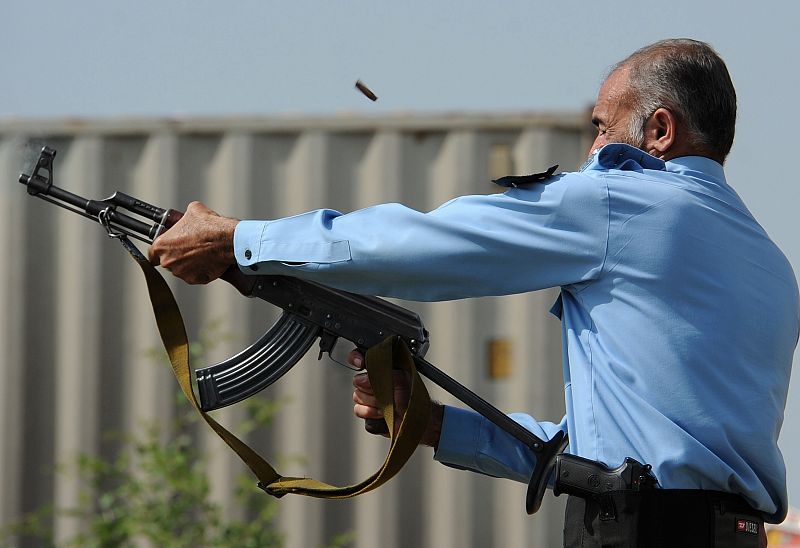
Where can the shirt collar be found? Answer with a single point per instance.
(621, 156)
(697, 164)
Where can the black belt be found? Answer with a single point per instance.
(663, 518)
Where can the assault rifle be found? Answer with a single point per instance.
(311, 311)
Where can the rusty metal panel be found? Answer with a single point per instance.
(77, 321)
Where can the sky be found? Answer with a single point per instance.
(179, 58)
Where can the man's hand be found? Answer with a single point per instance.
(367, 407)
(198, 248)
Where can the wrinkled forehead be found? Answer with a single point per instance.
(615, 86)
(614, 89)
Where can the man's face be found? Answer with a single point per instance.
(612, 112)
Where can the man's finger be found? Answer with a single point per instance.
(153, 257)
(364, 398)
(361, 382)
(355, 358)
(367, 412)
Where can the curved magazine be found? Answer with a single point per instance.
(257, 366)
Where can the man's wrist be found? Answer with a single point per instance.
(227, 230)
(434, 430)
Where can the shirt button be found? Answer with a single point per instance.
(247, 254)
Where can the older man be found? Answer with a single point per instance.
(679, 315)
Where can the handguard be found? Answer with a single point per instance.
(310, 311)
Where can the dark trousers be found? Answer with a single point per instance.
(668, 518)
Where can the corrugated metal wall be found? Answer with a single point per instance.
(76, 321)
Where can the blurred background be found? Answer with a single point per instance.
(251, 107)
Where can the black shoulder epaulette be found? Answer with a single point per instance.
(513, 181)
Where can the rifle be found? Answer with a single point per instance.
(311, 311)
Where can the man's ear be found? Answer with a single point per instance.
(660, 133)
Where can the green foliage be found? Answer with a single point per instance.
(154, 487)
(159, 492)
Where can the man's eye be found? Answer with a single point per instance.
(599, 126)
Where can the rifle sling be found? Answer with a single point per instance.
(380, 360)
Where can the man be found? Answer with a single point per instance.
(679, 315)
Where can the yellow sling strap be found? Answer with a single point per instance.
(380, 360)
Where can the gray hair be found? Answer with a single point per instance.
(688, 78)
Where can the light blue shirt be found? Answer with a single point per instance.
(679, 314)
